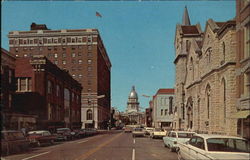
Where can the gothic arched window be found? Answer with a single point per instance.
(89, 114)
(223, 89)
(208, 99)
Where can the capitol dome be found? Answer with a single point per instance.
(133, 93)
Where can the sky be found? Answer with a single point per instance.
(138, 35)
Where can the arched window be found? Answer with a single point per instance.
(89, 114)
(208, 99)
(223, 89)
(209, 54)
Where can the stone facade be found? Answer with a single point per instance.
(205, 78)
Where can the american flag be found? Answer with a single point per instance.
(98, 14)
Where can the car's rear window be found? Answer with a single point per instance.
(228, 145)
(185, 135)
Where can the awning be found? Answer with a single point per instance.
(241, 114)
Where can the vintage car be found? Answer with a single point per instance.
(39, 137)
(64, 134)
(13, 142)
(128, 129)
(158, 133)
(138, 132)
(219, 147)
(175, 137)
(147, 130)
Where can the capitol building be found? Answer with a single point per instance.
(133, 109)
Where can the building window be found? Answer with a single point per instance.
(89, 61)
(89, 69)
(191, 68)
(73, 75)
(49, 48)
(209, 54)
(73, 48)
(247, 84)
(64, 40)
(57, 90)
(89, 114)
(223, 53)
(56, 62)
(80, 76)
(73, 61)
(64, 62)
(208, 99)
(171, 105)
(49, 87)
(64, 55)
(22, 84)
(247, 40)
(79, 47)
(89, 39)
(89, 47)
(79, 54)
(79, 61)
(49, 40)
(25, 55)
(161, 112)
(166, 112)
(79, 40)
(55, 55)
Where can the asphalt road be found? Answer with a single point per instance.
(112, 146)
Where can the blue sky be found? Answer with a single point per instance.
(138, 36)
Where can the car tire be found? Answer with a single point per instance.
(171, 149)
(165, 145)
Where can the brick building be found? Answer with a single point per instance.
(243, 67)
(205, 77)
(48, 92)
(10, 119)
(82, 53)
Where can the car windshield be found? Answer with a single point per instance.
(138, 129)
(228, 145)
(158, 129)
(185, 135)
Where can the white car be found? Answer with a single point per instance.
(147, 130)
(175, 137)
(158, 133)
(211, 147)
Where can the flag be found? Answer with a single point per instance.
(98, 14)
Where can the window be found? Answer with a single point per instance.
(89, 114)
(55, 55)
(89, 39)
(200, 143)
(49, 48)
(73, 61)
(49, 87)
(29, 84)
(171, 105)
(223, 53)
(89, 48)
(73, 55)
(89, 69)
(247, 40)
(64, 62)
(79, 61)
(173, 134)
(49, 40)
(23, 84)
(80, 76)
(208, 53)
(25, 55)
(247, 84)
(161, 112)
(64, 55)
(223, 89)
(79, 54)
(208, 100)
(166, 111)
(57, 90)
(73, 75)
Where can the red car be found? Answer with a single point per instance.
(38, 137)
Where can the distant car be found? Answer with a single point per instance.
(175, 137)
(64, 134)
(147, 130)
(41, 136)
(138, 132)
(158, 133)
(128, 130)
(205, 146)
(13, 142)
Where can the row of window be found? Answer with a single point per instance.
(165, 113)
(52, 40)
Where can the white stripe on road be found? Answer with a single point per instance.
(35, 155)
(133, 154)
(134, 141)
(82, 141)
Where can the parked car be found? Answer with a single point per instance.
(175, 137)
(39, 137)
(64, 134)
(128, 130)
(13, 142)
(138, 132)
(204, 146)
(147, 130)
(158, 133)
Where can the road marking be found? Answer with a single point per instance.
(134, 141)
(133, 154)
(82, 141)
(90, 152)
(36, 155)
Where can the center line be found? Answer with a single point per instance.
(82, 141)
(133, 154)
(134, 141)
(35, 155)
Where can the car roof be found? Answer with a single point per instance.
(38, 132)
(206, 136)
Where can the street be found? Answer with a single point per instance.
(115, 145)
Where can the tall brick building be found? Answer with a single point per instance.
(48, 92)
(243, 67)
(82, 53)
(206, 77)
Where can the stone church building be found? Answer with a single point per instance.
(205, 87)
